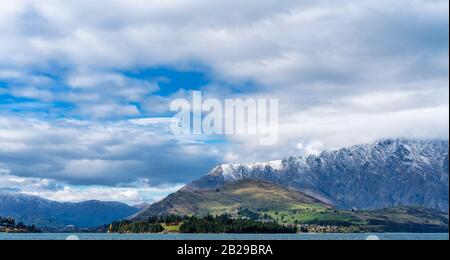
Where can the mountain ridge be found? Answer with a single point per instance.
(387, 173)
(44, 213)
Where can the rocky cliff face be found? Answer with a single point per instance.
(380, 175)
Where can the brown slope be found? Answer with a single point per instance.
(248, 194)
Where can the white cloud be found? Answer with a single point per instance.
(57, 191)
(97, 111)
(345, 72)
(310, 148)
(131, 196)
(289, 40)
(152, 121)
(351, 120)
(34, 93)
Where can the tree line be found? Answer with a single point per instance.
(226, 224)
(208, 224)
(134, 227)
(9, 225)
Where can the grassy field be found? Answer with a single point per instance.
(400, 219)
(311, 215)
(172, 228)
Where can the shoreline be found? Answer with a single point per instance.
(224, 237)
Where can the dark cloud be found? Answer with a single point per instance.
(94, 154)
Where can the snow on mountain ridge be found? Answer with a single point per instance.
(237, 171)
(365, 152)
(386, 173)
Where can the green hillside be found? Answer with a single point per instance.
(267, 202)
(232, 198)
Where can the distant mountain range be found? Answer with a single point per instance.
(44, 213)
(385, 174)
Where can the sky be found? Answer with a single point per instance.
(85, 86)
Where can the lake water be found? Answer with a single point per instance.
(86, 236)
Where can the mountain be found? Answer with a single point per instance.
(264, 201)
(141, 206)
(230, 198)
(381, 175)
(37, 211)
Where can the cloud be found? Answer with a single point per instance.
(131, 196)
(57, 191)
(81, 82)
(292, 45)
(311, 49)
(292, 41)
(88, 153)
(349, 120)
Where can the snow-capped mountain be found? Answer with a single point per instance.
(380, 175)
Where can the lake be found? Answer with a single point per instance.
(89, 236)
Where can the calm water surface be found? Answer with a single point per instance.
(86, 236)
